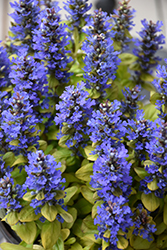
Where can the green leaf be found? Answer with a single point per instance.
(62, 154)
(85, 172)
(70, 192)
(9, 158)
(141, 172)
(50, 233)
(129, 248)
(14, 142)
(70, 178)
(40, 196)
(122, 73)
(70, 161)
(150, 201)
(12, 218)
(76, 39)
(155, 97)
(76, 246)
(89, 223)
(148, 86)
(127, 58)
(135, 66)
(38, 247)
(139, 243)
(165, 214)
(65, 233)
(26, 232)
(49, 212)
(117, 46)
(76, 229)
(19, 177)
(87, 194)
(28, 196)
(32, 149)
(152, 185)
(151, 113)
(88, 151)
(70, 241)
(65, 215)
(48, 149)
(42, 145)
(90, 237)
(59, 194)
(107, 234)
(105, 244)
(148, 163)
(59, 245)
(127, 33)
(94, 94)
(40, 128)
(66, 130)
(161, 241)
(2, 213)
(122, 243)
(7, 89)
(9, 246)
(53, 82)
(24, 244)
(80, 57)
(20, 160)
(59, 90)
(52, 134)
(148, 78)
(63, 140)
(94, 208)
(160, 227)
(83, 206)
(73, 212)
(27, 214)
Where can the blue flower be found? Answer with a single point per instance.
(142, 223)
(26, 20)
(130, 104)
(158, 178)
(141, 131)
(75, 109)
(111, 172)
(150, 42)
(78, 12)
(113, 215)
(122, 22)
(18, 123)
(29, 76)
(5, 68)
(106, 126)
(101, 60)
(10, 194)
(111, 177)
(161, 87)
(156, 148)
(43, 176)
(50, 42)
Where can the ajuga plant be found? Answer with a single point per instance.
(83, 159)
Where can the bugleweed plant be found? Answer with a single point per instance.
(83, 154)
